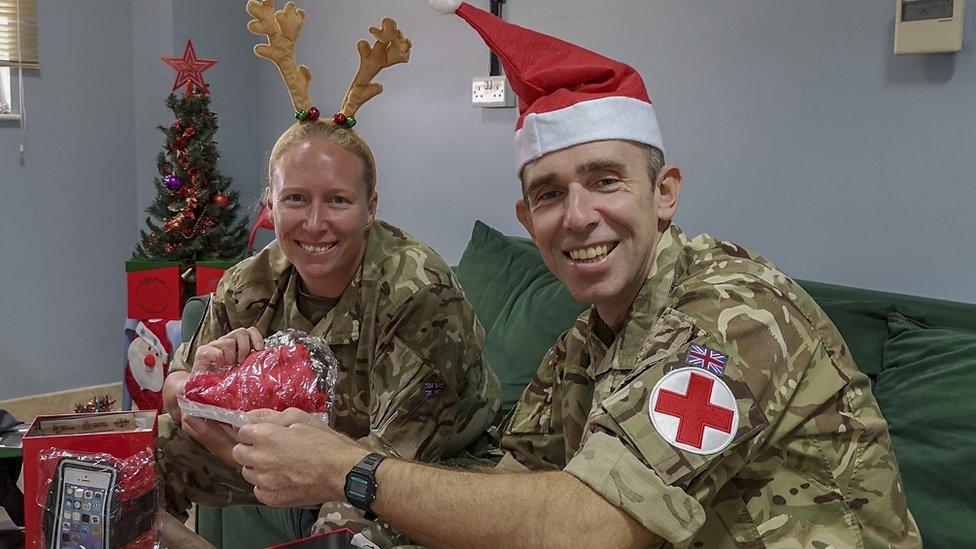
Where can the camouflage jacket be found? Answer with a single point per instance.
(727, 412)
(413, 381)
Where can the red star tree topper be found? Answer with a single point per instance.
(189, 69)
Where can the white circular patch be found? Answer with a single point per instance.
(694, 410)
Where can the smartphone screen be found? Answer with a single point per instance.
(83, 506)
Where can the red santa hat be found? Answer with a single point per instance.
(568, 95)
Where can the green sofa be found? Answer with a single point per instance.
(919, 353)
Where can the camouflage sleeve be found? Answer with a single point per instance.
(530, 434)
(432, 392)
(215, 323)
(714, 374)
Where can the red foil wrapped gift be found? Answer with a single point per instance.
(294, 370)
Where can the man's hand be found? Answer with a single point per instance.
(228, 350)
(293, 459)
(214, 436)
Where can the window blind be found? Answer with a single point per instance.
(18, 40)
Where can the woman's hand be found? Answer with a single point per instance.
(228, 350)
(173, 388)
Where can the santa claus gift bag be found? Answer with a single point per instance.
(149, 348)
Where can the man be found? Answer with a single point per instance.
(704, 400)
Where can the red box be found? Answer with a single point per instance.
(336, 539)
(209, 273)
(154, 290)
(119, 444)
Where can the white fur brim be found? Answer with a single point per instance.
(594, 120)
(445, 7)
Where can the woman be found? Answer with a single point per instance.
(413, 382)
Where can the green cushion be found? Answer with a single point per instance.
(193, 313)
(521, 305)
(860, 317)
(926, 392)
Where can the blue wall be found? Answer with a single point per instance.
(72, 209)
(801, 135)
(66, 214)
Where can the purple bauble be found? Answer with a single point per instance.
(173, 183)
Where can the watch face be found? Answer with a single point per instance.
(358, 486)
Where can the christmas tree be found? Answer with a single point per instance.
(194, 211)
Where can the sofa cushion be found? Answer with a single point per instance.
(926, 392)
(860, 316)
(521, 305)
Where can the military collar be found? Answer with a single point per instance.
(339, 326)
(651, 300)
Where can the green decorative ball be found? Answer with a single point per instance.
(350, 122)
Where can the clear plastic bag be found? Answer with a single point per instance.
(96, 500)
(294, 370)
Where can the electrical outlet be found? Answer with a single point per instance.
(491, 91)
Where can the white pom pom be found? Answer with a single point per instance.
(445, 7)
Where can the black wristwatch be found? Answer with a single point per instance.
(361, 484)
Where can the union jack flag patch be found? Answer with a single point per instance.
(703, 357)
(433, 388)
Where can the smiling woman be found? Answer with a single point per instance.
(323, 202)
(413, 382)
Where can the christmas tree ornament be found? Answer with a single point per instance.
(102, 403)
(221, 200)
(282, 28)
(189, 132)
(173, 183)
(189, 70)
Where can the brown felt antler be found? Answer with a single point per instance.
(282, 28)
(391, 47)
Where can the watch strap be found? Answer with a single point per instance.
(366, 469)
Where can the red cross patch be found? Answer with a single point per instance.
(694, 410)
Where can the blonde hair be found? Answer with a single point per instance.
(342, 136)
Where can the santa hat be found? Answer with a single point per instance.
(568, 95)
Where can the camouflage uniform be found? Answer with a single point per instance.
(809, 462)
(413, 383)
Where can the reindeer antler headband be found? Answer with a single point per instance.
(282, 28)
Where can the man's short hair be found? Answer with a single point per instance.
(655, 160)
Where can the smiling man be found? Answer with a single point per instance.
(704, 400)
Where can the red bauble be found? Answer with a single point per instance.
(313, 114)
(221, 200)
(189, 132)
(339, 119)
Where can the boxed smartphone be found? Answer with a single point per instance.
(90, 480)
